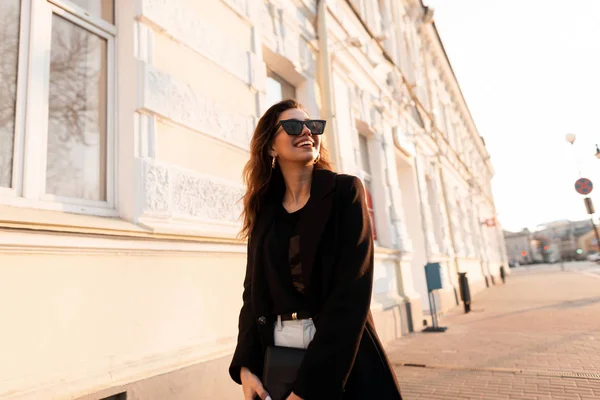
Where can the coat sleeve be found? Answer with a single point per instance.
(331, 354)
(248, 352)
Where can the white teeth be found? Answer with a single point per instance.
(302, 144)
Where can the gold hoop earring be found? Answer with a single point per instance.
(273, 162)
(318, 158)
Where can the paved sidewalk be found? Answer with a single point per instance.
(537, 337)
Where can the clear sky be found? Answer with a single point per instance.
(530, 73)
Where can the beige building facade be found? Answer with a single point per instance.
(124, 128)
(587, 243)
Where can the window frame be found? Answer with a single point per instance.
(31, 119)
(16, 184)
(283, 83)
(367, 178)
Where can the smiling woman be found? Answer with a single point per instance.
(260, 171)
(309, 274)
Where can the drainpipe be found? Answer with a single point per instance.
(324, 80)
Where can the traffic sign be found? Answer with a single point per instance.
(584, 186)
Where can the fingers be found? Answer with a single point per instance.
(255, 387)
(262, 393)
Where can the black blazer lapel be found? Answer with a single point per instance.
(315, 218)
(260, 296)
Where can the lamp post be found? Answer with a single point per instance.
(571, 137)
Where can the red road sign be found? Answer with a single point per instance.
(584, 186)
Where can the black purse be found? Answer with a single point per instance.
(280, 370)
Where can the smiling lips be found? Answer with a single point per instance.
(305, 143)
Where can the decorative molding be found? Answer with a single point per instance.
(241, 7)
(204, 198)
(173, 19)
(145, 132)
(426, 209)
(143, 42)
(179, 102)
(308, 58)
(443, 69)
(178, 199)
(156, 188)
(32, 242)
(298, 15)
(287, 39)
(258, 74)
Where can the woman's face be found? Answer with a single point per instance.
(303, 148)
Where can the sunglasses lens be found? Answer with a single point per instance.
(316, 127)
(292, 127)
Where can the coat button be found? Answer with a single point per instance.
(262, 320)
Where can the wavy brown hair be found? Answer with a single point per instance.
(261, 180)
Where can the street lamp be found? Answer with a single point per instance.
(571, 137)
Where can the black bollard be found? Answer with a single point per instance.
(465, 292)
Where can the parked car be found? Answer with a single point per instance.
(593, 257)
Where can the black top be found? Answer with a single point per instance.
(283, 268)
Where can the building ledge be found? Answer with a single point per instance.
(46, 221)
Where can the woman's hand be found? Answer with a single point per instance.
(251, 385)
(293, 396)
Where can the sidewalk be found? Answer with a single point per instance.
(537, 337)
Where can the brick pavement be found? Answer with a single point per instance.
(537, 337)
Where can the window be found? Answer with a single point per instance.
(9, 51)
(365, 166)
(434, 206)
(56, 132)
(278, 89)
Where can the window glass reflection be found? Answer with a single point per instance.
(9, 50)
(77, 131)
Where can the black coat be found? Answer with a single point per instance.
(345, 359)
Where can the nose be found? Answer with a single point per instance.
(305, 131)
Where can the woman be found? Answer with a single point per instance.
(310, 267)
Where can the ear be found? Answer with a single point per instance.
(272, 152)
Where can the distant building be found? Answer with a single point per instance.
(519, 247)
(562, 237)
(587, 243)
(551, 242)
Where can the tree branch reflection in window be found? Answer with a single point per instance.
(9, 50)
(77, 126)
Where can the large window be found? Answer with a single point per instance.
(56, 103)
(365, 166)
(9, 51)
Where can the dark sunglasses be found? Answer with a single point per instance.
(294, 127)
